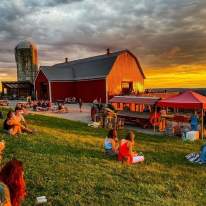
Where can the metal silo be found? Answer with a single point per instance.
(26, 56)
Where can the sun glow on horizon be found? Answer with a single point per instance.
(188, 76)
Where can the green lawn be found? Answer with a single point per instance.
(65, 161)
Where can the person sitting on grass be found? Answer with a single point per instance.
(111, 145)
(19, 116)
(199, 158)
(13, 126)
(126, 153)
(12, 184)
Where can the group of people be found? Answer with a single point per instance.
(15, 123)
(123, 149)
(46, 105)
(41, 105)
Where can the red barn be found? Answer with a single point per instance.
(98, 77)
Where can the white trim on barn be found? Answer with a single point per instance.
(50, 94)
(107, 100)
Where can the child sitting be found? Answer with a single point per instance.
(111, 143)
(126, 150)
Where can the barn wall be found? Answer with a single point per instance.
(125, 68)
(90, 90)
(86, 90)
(62, 90)
(41, 78)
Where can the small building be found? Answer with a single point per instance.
(99, 77)
(18, 89)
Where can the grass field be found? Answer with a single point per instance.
(64, 160)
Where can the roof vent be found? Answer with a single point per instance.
(108, 51)
(66, 60)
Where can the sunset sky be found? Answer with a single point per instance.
(167, 36)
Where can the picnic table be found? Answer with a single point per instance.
(141, 119)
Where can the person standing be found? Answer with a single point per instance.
(194, 122)
(80, 104)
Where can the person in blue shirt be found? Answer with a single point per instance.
(111, 144)
(194, 122)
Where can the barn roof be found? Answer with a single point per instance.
(135, 99)
(89, 68)
(17, 84)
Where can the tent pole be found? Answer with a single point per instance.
(202, 126)
(155, 118)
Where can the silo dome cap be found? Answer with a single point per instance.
(25, 45)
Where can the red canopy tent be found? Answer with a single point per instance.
(186, 100)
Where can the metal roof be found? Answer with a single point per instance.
(17, 84)
(89, 68)
(25, 45)
(135, 99)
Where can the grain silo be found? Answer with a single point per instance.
(26, 56)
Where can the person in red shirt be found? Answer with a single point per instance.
(126, 153)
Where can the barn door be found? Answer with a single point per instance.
(44, 91)
(127, 87)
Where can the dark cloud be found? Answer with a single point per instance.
(159, 32)
(47, 3)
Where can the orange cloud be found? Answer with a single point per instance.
(6, 77)
(177, 76)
